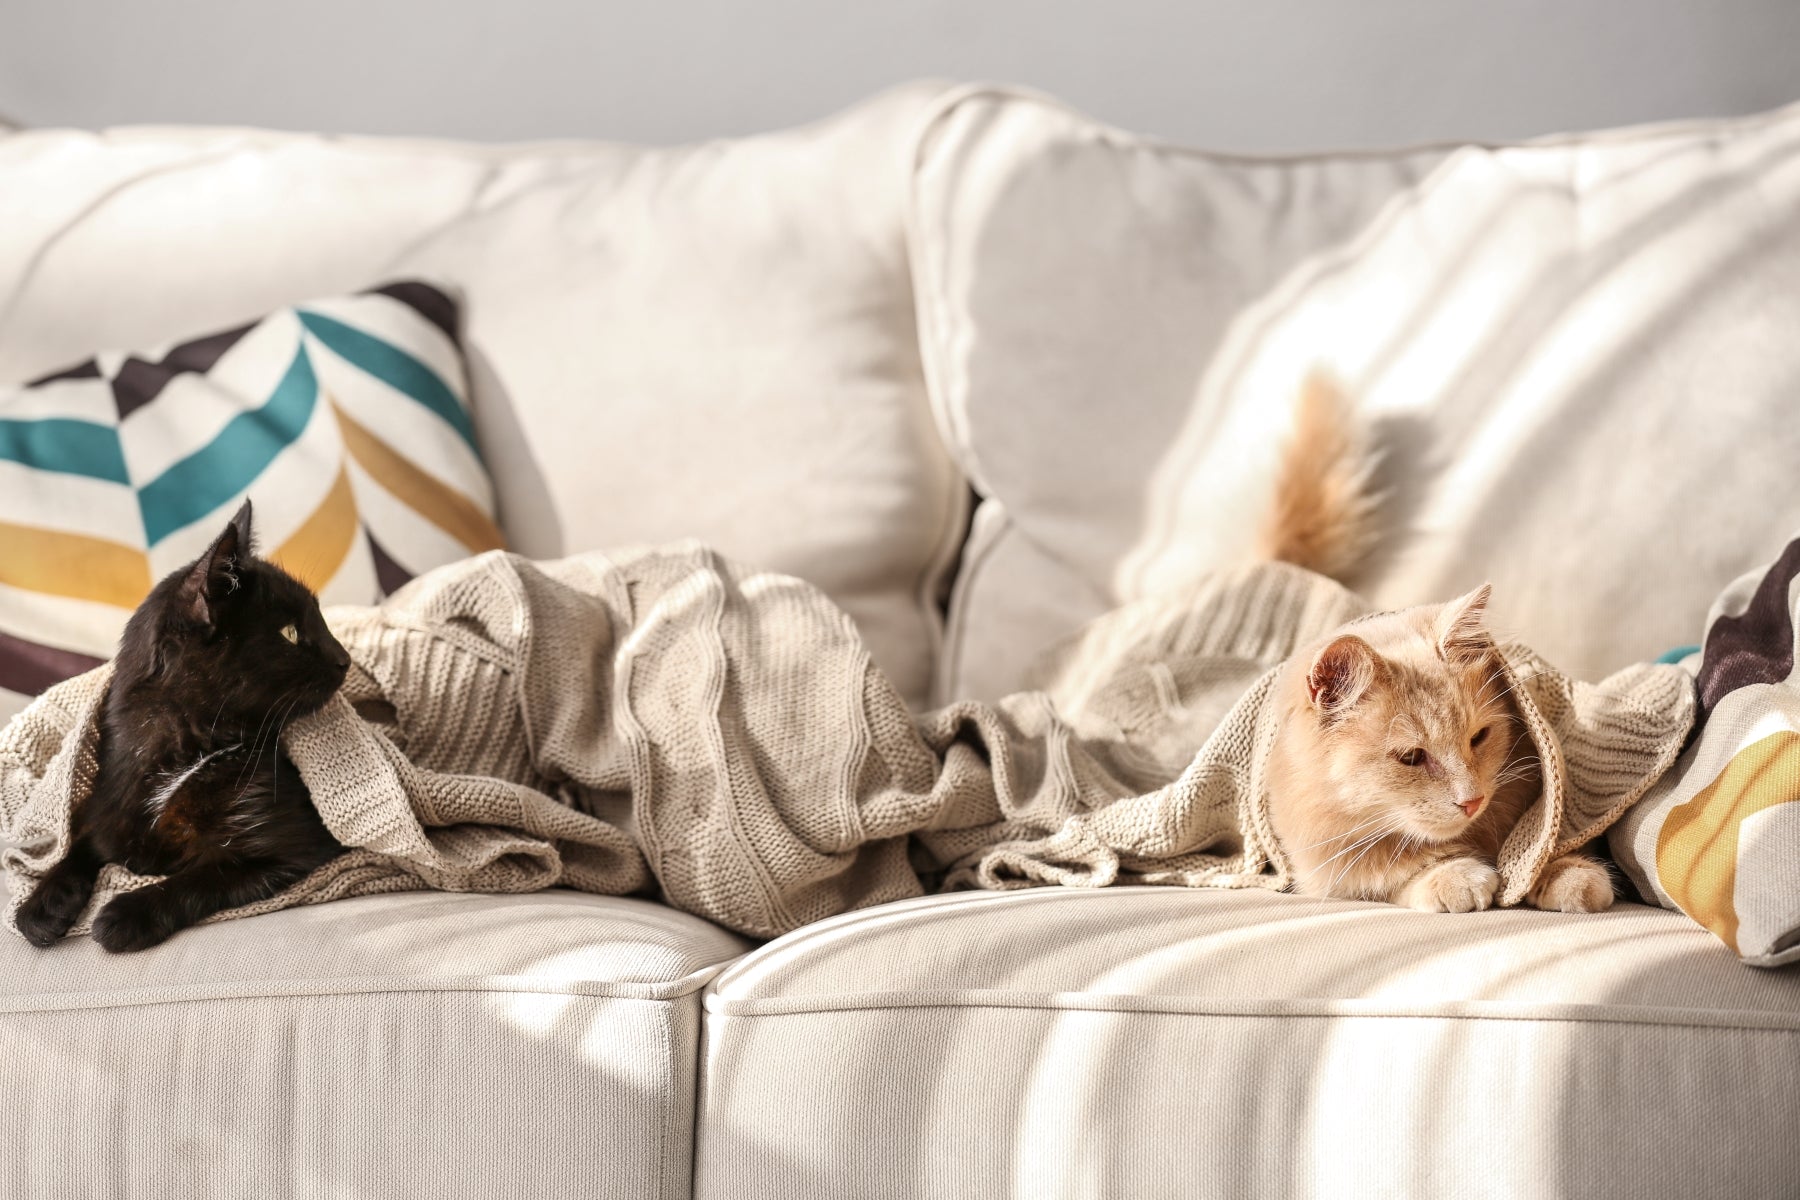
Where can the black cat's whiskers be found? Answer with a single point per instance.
(217, 712)
(256, 746)
(275, 789)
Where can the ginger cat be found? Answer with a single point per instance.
(1400, 764)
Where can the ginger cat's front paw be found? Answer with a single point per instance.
(1454, 885)
(1573, 883)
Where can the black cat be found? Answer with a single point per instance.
(192, 782)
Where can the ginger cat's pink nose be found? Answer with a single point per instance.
(1471, 807)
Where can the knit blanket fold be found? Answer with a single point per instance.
(666, 721)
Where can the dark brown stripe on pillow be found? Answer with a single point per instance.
(425, 300)
(31, 668)
(87, 370)
(1756, 646)
(388, 573)
(140, 381)
(202, 353)
(137, 384)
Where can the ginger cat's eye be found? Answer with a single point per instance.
(290, 633)
(1411, 758)
(1480, 737)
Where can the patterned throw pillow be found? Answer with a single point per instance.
(1719, 836)
(345, 420)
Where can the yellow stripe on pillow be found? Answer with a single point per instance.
(438, 503)
(1697, 849)
(73, 565)
(314, 552)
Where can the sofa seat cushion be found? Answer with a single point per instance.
(1159, 1042)
(412, 1044)
(713, 341)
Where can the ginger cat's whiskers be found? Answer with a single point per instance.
(1338, 837)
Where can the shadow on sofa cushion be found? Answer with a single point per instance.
(1151, 1042)
(540, 1045)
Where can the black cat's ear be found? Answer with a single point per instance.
(241, 523)
(214, 575)
(1341, 674)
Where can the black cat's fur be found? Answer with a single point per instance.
(192, 781)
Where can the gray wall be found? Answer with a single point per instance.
(1231, 74)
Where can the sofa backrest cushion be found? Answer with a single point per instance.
(711, 341)
(1578, 356)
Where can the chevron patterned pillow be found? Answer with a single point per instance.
(1719, 836)
(346, 421)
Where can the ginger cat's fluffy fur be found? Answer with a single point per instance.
(1400, 764)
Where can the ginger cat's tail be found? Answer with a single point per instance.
(1324, 516)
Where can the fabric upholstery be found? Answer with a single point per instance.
(1555, 344)
(711, 341)
(421, 1044)
(346, 420)
(1166, 1043)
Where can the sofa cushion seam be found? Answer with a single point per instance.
(492, 985)
(1570, 1013)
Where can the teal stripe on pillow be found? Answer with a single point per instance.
(394, 367)
(223, 468)
(65, 445)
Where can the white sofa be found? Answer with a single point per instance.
(981, 368)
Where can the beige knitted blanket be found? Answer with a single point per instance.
(666, 721)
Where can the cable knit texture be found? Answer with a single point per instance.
(669, 720)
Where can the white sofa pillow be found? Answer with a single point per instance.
(710, 341)
(1579, 355)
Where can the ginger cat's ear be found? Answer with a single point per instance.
(1462, 638)
(1341, 674)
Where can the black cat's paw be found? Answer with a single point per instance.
(50, 911)
(134, 921)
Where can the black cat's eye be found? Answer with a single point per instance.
(1411, 758)
(290, 633)
(1480, 737)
